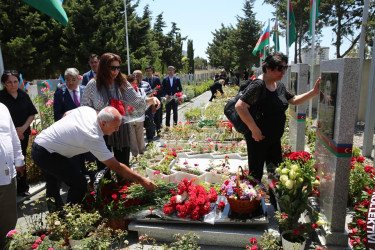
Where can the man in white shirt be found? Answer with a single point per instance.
(80, 131)
(11, 161)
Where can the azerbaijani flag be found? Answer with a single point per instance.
(62, 79)
(317, 14)
(45, 84)
(263, 41)
(52, 8)
(292, 24)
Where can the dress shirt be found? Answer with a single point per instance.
(78, 94)
(10, 148)
(76, 133)
(171, 81)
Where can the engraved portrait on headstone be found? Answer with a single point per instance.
(327, 103)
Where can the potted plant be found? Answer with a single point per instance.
(298, 181)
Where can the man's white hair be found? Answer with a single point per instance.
(108, 114)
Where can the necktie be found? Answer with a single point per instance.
(76, 101)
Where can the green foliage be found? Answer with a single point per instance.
(193, 114)
(27, 36)
(190, 55)
(187, 241)
(232, 46)
(360, 176)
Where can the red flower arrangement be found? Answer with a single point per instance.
(191, 200)
(117, 104)
(300, 155)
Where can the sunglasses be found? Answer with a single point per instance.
(114, 68)
(13, 72)
(281, 68)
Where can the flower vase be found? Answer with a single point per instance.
(118, 223)
(288, 244)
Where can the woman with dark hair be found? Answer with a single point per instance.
(110, 86)
(271, 99)
(22, 111)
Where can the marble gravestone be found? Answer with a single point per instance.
(337, 110)
(298, 84)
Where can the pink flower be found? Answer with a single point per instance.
(255, 247)
(38, 241)
(34, 246)
(253, 241)
(50, 102)
(156, 172)
(11, 232)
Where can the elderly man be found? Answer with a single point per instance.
(68, 97)
(80, 131)
(149, 124)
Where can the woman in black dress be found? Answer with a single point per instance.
(272, 99)
(22, 111)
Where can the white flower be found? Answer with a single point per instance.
(285, 171)
(57, 223)
(295, 167)
(289, 184)
(284, 178)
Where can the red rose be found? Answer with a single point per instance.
(106, 201)
(118, 105)
(114, 196)
(253, 241)
(295, 232)
(255, 247)
(361, 224)
(315, 225)
(158, 87)
(115, 207)
(368, 169)
(360, 159)
(221, 205)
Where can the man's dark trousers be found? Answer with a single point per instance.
(56, 168)
(173, 104)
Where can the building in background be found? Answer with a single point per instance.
(321, 54)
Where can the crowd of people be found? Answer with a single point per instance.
(103, 120)
(100, 120)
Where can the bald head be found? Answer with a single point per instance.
(109, 114)
(109, 120)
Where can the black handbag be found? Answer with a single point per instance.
(148, 122)
(232, 115)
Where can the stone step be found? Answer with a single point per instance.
(229, 236)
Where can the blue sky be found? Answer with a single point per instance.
(198, 18)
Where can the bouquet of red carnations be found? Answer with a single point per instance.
(191, 200)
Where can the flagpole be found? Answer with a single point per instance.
(127, 38)
(312, 53)
(287, 28)
(1, 63)
(269, 44)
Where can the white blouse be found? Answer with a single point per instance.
(10, 148)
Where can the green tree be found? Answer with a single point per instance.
(160, 40)
(247, 34)
(200, 63)
(190, 55)
(345, 16)
(221, 52)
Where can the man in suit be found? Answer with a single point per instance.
(94, 64)
(171, 85)
(68, 97)
(155, 84)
